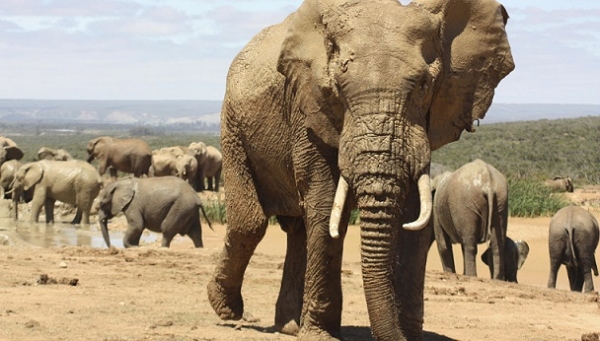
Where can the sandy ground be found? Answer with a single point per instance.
(149, 293)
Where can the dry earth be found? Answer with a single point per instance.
(148, 293)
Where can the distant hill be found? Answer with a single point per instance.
(154, 113)
(500, 112)
(197, 112)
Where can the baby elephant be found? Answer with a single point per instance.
(166, 204)
(515, 254)
(572, 240)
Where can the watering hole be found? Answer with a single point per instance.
(61, 233)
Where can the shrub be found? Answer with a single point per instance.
(528, 198)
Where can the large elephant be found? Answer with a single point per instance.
(572, 240)
(125, 155)
(515, 254)
(167, 204)
(8, 170)
(46, 153)
(470, 207)
(365, 90)
(560, 184)
(9, 150)
(72, 182)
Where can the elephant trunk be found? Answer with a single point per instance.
(384, 150)
(103, 222)
(377, 254)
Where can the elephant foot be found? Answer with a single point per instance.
(227, 303)
(290, 328)
(310, 334)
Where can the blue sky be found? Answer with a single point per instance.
(181, 49)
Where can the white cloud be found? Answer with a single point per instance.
(181, 49)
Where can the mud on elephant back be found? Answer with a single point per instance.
(360, 93)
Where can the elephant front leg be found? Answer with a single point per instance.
(39, 199)
(289, 303)
(49, 208)
(134, 231)
(246, 226)
(322, 306)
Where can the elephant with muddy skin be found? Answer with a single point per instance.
(125, 155)
(8, 170)
(210, 164)
(572, 240)
(72, 182)
(355, 93)
(470, 207)
(46, 153)
(166, 204)
(515, 254)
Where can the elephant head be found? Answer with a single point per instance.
(95, 147)
(29, 175)
(385, 84)
(113, 199)
(198, 150)
(9, 150)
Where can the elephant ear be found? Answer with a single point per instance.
(122, 193)
(476, 57)
(304, 60)
(13, 153)
(32, 174)
(523, 248)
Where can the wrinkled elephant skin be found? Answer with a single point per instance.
(363, 91)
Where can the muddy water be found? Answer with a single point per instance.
(61, 233)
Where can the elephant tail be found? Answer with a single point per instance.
(492, 202)
(571, 245)
(205, 216)
(594, 267)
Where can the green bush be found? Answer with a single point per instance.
(528, 198)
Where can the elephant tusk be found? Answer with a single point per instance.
(338, 208)
(426, 205)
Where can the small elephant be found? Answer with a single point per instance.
(572, 240)
(515, 254)
(125, 155)
(8, 170)
(470, 207)
(187, 167)
(209, 168)
(72, 182)
(165, 204)
(560, 184)
(54, 154)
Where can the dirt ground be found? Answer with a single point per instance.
(149, 293)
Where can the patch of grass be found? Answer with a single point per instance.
(528, 198)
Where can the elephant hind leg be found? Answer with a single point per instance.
(195, 232)
(289, 303)
(575, 274)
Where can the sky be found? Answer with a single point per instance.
(181, 49)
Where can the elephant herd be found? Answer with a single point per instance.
(470, 207)
(161, 202)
